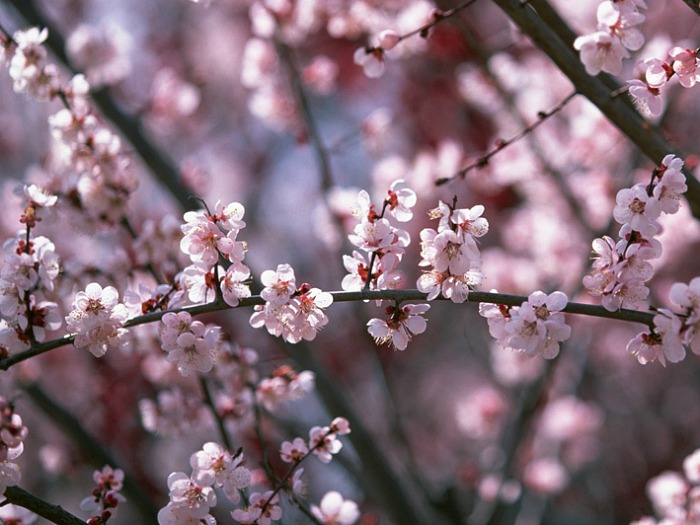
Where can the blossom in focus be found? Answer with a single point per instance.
(403, 323)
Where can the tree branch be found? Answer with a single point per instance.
(162, 167)
(53, 513)
(93, 451)
(594, 89)
(634, 316)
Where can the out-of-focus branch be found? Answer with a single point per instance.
(594, 89)
(502, 144)
(382, 482)
(53, 513)
(94, 453)
(693, 5)
(162, 167)
(634, 316)
(322, 160)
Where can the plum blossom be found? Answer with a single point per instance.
(279, 285)
(371, 59)
(28, 68)
(261, 509)
(97, 318)
(403, 323)
(400, 200)
(294, 314)
(215, 466)
(334, 510)
(617, 34)
(647, 98)
(324, 443)
(621, 269)
(453, 252)
(293, 451)
(537, 326)
(190, 344)
(284, 385)
(601, 51)
(106, 495)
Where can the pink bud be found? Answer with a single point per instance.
(388, 39)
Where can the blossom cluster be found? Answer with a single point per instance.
(12, 436)
(536, 327)
(191, 344)
(89, 160)
(284, 385)
(681, 63)
(192, 497)
(675, 496)
(97, 319)
(621, 269)
(323, 443)
(209, 238)
(105, 498)
(674, 329)
(452, 252)
(31, 73)
(381, 244)
(616, 36)
(295, 314)
(30, 268)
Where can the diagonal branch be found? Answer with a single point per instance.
(162, 167)
(594, 89)
(53, 513)
(693, 5)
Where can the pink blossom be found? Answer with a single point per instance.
(261, 510)
(321, 74)
(601, 52)
(324, 443)
(546, 476)
(334, 510)
(400, 200)
(294, 451)
(388, 39)
(537, 326)
(371, 59)
(646, 98)
(187, 492)
(234, 285)
(685, 65)
(279, 285)
(403, 323)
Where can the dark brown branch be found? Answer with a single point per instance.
(634, 316)
(93, 451)
(53, 513)
(693, 5)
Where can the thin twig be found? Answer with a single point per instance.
(483, 161)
